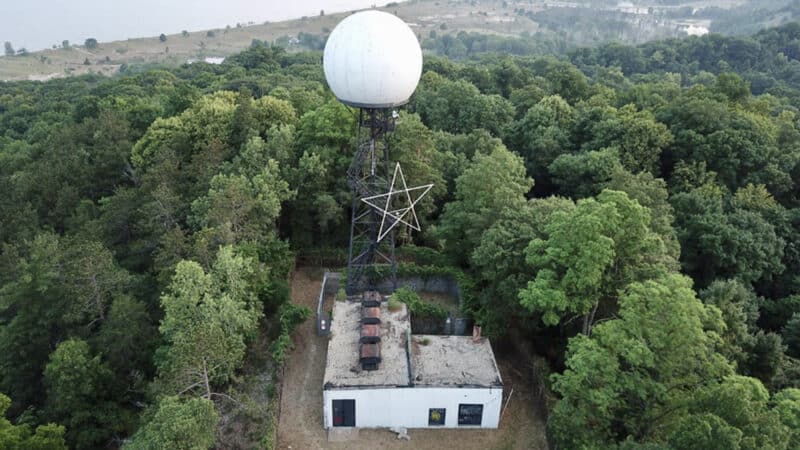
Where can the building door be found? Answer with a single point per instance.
(344, 413)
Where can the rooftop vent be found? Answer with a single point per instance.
(371, 315)
(370, 356)
(370, 333)
(371, 299)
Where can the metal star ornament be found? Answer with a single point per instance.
(406, 215)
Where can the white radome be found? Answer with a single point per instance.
(372, 60)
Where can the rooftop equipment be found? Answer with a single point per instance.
(370, 356)
(371, 315)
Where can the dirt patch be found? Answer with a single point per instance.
(300, 422)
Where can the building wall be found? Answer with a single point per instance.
(408, 407)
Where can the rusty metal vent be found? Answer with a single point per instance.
(370, 333)
(371, 315)
(371, 299)
(370, 356)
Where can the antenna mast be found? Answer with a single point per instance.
(373, 62)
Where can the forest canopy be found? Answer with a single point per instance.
(632, 211)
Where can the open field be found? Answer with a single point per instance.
(300, 423)
(425, 16)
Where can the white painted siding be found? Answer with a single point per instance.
(408, 407)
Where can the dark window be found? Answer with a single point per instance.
(470, 414)
(436, 416)
(344, 413)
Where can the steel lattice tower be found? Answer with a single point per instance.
(369, 175)
(373, 61)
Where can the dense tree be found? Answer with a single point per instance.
(414, 147)
(78, 395)
(642, 368)
(179, 424)
(724, 242)
(491, 184)
(739, 310)
(238, 208)
(499, 260)
(459, 107)
(636, 135)
(127, 339)
(737, 144)
(208, 319)
(787, 405)
(651, 193)
(182, 195)
(589, 255)
(541, 136)
(564, 79)
(31, 289)
(742, 404)
(584, 174)
(791, 336)
(93, 279)
(20, 437)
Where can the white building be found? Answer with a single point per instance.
(405, 380)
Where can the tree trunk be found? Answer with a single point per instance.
(205, 380)
(585, 327)
(588, 320)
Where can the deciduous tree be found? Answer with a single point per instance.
(181, 424)
(20, 437)
(635, 375)
(208, 318)
(78, 395)
(491, 184)
(589, 256)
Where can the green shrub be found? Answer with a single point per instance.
(291, 315)
(394, 304)
(416, 305)
(341, 295)
(422, 256)
(465, 283)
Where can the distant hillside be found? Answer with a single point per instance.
(522, 25)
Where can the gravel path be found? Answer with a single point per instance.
(300, 422)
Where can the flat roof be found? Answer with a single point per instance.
(443, 361)
(343, 367)
(453, 361)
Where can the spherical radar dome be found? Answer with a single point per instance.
(372, 60)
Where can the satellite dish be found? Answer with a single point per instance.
(372, 60)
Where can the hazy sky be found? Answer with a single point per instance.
(36, 24)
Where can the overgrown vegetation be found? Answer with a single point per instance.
(416, 305)
(289, 318)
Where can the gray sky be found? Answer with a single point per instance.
(37, 24)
